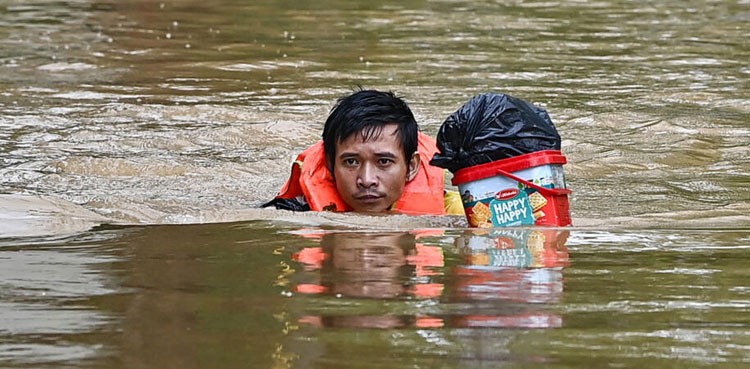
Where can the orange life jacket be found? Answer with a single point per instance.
(310, 177)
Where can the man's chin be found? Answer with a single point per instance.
(378, 206)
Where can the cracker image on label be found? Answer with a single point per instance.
(537, 201)
(480, 214)
(538, 215)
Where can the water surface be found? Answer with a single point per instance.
(123, 121)
(273, 295)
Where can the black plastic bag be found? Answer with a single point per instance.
(287, 204)
(491, 127)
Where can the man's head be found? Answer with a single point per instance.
(370, 143)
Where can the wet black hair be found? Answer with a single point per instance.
(364, 113)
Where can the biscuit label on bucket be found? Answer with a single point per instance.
(511, 207)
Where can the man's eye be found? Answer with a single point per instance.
(384, 161)
(350, 161)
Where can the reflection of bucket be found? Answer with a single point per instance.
(523, 265)
(523, 190)
(520, 248)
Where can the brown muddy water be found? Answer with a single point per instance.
(137, 139)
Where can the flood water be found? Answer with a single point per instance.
(137, 139)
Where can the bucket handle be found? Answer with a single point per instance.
(543, 190)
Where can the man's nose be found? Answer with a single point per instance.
(367, 176)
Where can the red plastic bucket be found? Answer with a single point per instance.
(523, 190)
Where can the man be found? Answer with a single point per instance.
(372, 159)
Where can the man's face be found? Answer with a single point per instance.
(371, 175)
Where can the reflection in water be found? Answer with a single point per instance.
(522, 248)
(374, 268)
(231, 295)
(377, 266)
(44, 293)
(372, 265)
(516, 270)
(522, 267)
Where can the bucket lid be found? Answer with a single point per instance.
(513, 164)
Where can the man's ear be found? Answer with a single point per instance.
(413, 168)
(329, 166)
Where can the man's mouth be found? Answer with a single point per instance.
(369, 197)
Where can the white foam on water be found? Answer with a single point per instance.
(62, 67)
(25, 216)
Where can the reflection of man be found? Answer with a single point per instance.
(372, 159)
(379, 265)
(369, 266)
